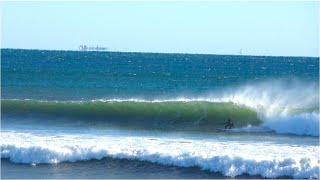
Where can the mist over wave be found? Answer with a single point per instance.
(284, 106)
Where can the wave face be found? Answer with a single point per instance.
(231, 158)
(177, 115)
(282, 106)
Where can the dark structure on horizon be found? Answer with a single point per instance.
(91, 48)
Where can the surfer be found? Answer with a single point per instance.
(228, 124)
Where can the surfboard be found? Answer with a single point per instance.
(246, 130)
(223, 129)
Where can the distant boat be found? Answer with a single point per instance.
(87, 48)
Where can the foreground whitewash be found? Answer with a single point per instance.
(231, 158)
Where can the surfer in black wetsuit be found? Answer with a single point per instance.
(228, 124)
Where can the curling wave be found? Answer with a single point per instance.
(284, 107)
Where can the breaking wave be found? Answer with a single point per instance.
(231, 158)
(284, 107)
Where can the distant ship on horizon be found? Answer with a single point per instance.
(91, 48)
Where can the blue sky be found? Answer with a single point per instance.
(258, 28)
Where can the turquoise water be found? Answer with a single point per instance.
(64, 107)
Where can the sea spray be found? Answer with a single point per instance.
(284, 106)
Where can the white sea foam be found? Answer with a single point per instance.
(231, 158)
(301, 124)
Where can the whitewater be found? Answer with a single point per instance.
(230, 156)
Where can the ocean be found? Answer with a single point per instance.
(76, 114)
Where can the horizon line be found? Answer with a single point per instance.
(148, 52)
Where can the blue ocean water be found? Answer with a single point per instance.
(70, 106)
(73, 75)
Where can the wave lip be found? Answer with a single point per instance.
(231, 158)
